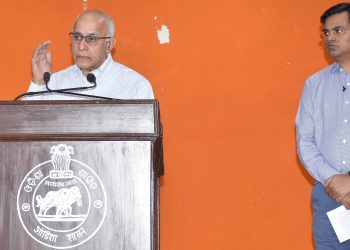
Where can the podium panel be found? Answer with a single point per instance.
(65, 192)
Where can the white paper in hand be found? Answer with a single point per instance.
(340, 220)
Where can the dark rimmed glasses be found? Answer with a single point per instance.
(89, 39)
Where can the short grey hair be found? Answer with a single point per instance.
(107, 19)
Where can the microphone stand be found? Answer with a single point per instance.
(67, 91)
(90, 78)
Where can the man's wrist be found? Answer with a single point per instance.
(38, 82)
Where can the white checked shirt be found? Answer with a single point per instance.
(323, 123)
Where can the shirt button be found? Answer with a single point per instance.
(344, 141)
(347, 102)
(343, 162)
(346, 120)
(348, 83)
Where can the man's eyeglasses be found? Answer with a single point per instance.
(89, 39)
(337, 31)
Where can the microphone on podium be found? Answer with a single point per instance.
(91, 78)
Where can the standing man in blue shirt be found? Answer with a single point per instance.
(92, 40)
(323, 127)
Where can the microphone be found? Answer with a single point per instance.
(46, 77)
(344, 88)
(91, 78)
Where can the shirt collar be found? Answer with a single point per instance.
(335, 68)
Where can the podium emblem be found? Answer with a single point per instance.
(61, 203)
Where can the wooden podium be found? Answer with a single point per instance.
(80, 175)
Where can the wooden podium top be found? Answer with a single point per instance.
(87, 120)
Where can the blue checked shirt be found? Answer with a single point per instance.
(113, 80)
(323, 123)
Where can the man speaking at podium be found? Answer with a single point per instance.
(92, 41)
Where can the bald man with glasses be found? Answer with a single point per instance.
(92, 40)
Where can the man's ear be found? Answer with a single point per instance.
(111, 44)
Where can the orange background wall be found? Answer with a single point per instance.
(228, 83)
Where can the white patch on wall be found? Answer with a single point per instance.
(163, 35)
(85, 3)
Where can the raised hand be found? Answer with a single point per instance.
(41, 62)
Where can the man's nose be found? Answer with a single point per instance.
(82, 44)
(331, 36)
